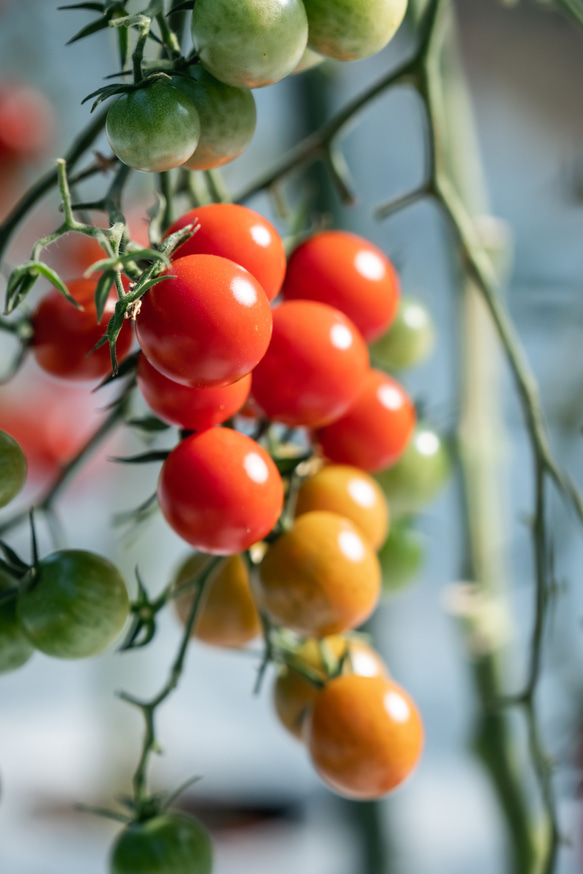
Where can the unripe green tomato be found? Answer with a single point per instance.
(409, 340)
(76, 606)
(352, 29)
(308, 61)
(154, 128)
(12, 468)
(168, 844)
(417, 477)
(15, 647)
(227, 118)
(401, 556)
(249, 43)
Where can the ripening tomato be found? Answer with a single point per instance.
(228, 616)
(76, 606)
(351, 493)
(170, 843)
(364, 734)
(15, 647)
(410, 338)
(419, 475)
(26, 122)
(154, 128)
(220, 491)
(12, 468)
(227, 118)
(352, 29)
(321, 577)
(314, 368)
(294, 695)
(377, 428)
(239, 234)
(208, 324)
(193, 408)
(249, 43)
(64, 336)
(347, 272)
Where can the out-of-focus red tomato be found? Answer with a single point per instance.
(26, 122)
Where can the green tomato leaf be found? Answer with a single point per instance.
(102, 292)
(12, 558)
(151, 424)
(150, 282)
(145, 254)
(144, 458)
(54, 279)
(123, 43)
(89, 29)
(92, 7)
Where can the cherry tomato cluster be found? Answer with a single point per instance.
(204, 115)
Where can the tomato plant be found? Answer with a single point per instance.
(171, 843)
(352, 29)
(12, 468)
(409, 340)
(401, 556)
(15, 647)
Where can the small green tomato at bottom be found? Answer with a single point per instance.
(12, 468)
(168, 844)
(401, 557)
(76, 605)
(227, 118)
(409, 340)
(154, 128)
(15, 647)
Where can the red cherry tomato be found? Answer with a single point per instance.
(314, 368)
(63, 335)
(26, 122)
(208, 324)
(194, 408)
(349, 273)
(240, 234)
(375, 431)
(220, 491)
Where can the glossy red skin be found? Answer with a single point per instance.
(63, 335)
(240, 234)
(376, 430)
(194, 408)
(330, 267)
(26, 122)
(193, 329)
(314, 368)
(208, 496)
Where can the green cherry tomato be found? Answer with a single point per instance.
(154, 128)
(76, 606)
(352, 29)
(409, 340)
(227, 118)
(12, 468)
(401, 556)
(15, 647)
(249, 43)
(418, 476)
(168, 844)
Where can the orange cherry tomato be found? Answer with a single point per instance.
(376, 430)
(229, 616)
(321, 577)
(239, 234)
(193, 408)
(351, 493)
(349, 273)
(294, 695)
(364, 735)
(64, 335)
(314, 368)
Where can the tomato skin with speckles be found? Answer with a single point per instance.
(321, 577)
(208, 324)
(377, 428)
(220, 491)
(170, 843)
(345, 271)
(193, 408)
(239, 234)
(352, 29)
(364, 735)
(315, 366)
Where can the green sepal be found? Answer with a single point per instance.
(89, 29)
(102, 291)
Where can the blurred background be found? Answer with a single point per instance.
(65, 737)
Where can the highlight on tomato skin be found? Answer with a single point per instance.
(207, 324)
(349, 273)
(376, 430)
(314, 368)
(240, 234)
(220, 491)
(364, 735)
(195, 409)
